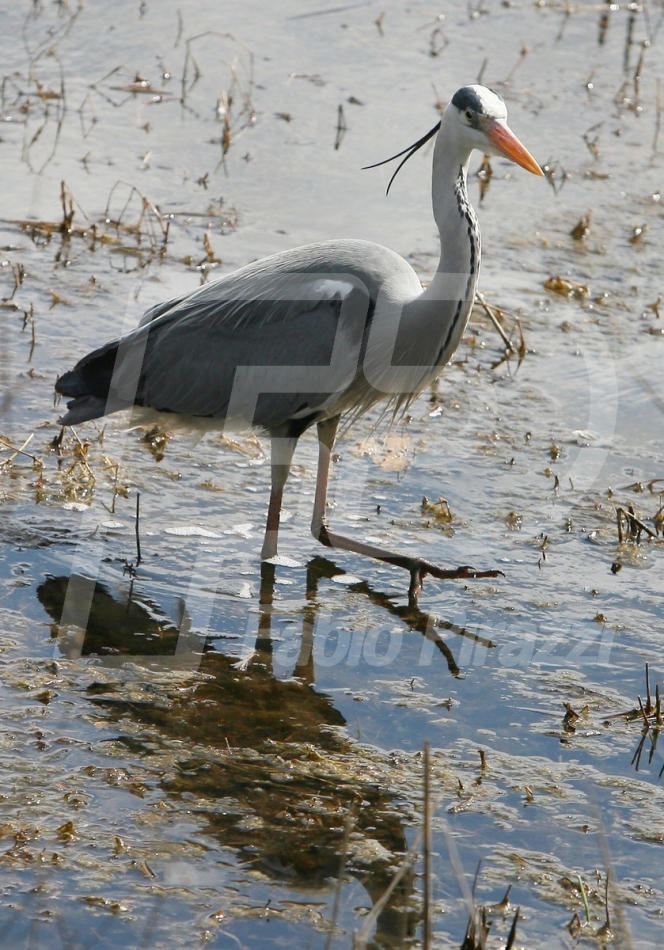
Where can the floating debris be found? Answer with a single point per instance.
(567, 287)
(581, 229)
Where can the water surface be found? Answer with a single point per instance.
(196, 748)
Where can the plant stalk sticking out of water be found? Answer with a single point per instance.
(426, 846)
(343, 858)
(650, 714)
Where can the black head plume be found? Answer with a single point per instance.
(407, 152)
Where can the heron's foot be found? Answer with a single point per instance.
(417, 567)
(420, 568)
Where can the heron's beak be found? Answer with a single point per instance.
(506, 143)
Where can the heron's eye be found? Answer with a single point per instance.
(469, 115)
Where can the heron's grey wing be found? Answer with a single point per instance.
(294, 325)
(219, 351)
(159, 309)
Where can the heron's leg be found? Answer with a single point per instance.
(417, 567)
(281, 456)
(327, 433)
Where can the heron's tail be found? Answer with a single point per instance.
(88, 383)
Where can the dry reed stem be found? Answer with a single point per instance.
(19, 451)
(427, 911)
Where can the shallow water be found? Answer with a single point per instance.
(194, 748)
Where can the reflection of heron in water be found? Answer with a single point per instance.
(271, 747)
(304, 336)
(123, 623)
(257, 740)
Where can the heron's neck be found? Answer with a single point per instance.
(454, 215)
(452, 288)
(427, 326)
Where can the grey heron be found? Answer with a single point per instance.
(310, 333)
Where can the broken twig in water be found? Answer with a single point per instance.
(342, 128)
(489, 310)
(634, 525)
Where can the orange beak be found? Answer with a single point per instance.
(506, 142)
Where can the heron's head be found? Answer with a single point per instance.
(479, 118)
(476, 117)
